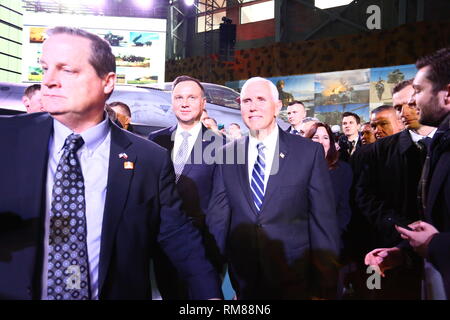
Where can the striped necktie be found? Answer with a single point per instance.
(257, 182)
(181, 156)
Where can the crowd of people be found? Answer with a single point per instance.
(292, 214)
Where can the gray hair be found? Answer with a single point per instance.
(272, 87)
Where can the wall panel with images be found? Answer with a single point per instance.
(139, 44)
(327, 95)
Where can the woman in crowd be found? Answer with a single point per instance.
(340, 171)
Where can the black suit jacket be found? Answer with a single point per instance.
(345, 146)
(142, 208)
(438, 202)
(276, 253)
(341, 178)
(386, 190)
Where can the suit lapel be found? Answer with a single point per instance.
(199, 146)
(439, 175)
(34, 140)
(119, 181)
(242, 172)
(275, 178)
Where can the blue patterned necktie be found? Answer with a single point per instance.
(68, 264)
(180, 158)
(295, 131)
(257, 182)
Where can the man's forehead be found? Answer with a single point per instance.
(348, 119)
(295, 106)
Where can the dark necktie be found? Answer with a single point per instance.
(68, 264)
(422, 191)
(295, 131)
(180, 158)
(257, 182)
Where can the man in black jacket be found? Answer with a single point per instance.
(430, 239)
(386, 190)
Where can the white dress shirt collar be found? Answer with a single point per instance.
(92, 137)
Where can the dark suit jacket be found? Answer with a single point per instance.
(341, 178)
(438, 203)
(142, 208)
(276, 253)
(194, 186)
(386, 190)
(344, 147)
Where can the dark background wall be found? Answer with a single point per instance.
(311, 40)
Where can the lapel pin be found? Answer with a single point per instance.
(123, 156)
(282, 155)
(128, 165)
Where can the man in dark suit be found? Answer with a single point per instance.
(386, 192)
(430, 239)
(350, 141)
(194, 172)
(272, 210)
(83, 202)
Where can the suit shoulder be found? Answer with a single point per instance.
(160, 132)
(25, 118)
(143, 144)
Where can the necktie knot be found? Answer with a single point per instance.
(73, 142)
(260, 147)
(295, 131)
(185, 135)
(425, 143)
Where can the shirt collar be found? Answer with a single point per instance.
(269, 141)
(194, 131)
(416, 137)
(92, 137)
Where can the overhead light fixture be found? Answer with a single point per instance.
(189, 2)
(325, 4)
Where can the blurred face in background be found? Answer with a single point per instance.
(33, 103)
(385, 123)
(367, 134)
(350, 126)
(321, 136)
(304, 127)
(296, 113)
(409, 113)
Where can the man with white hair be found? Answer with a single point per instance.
(273, 216)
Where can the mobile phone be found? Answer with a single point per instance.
(404, 226)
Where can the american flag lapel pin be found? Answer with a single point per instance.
(282, 155)
(123, 156)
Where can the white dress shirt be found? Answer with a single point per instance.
(270, 143)
(94, 161)
(416, 137)
(194, 132)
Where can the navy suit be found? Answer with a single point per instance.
(194, 187)
(277, 253)
(142, 208)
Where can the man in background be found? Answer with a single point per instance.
(123, 113)
(385, 121)
(296, 113)
(32, 99)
